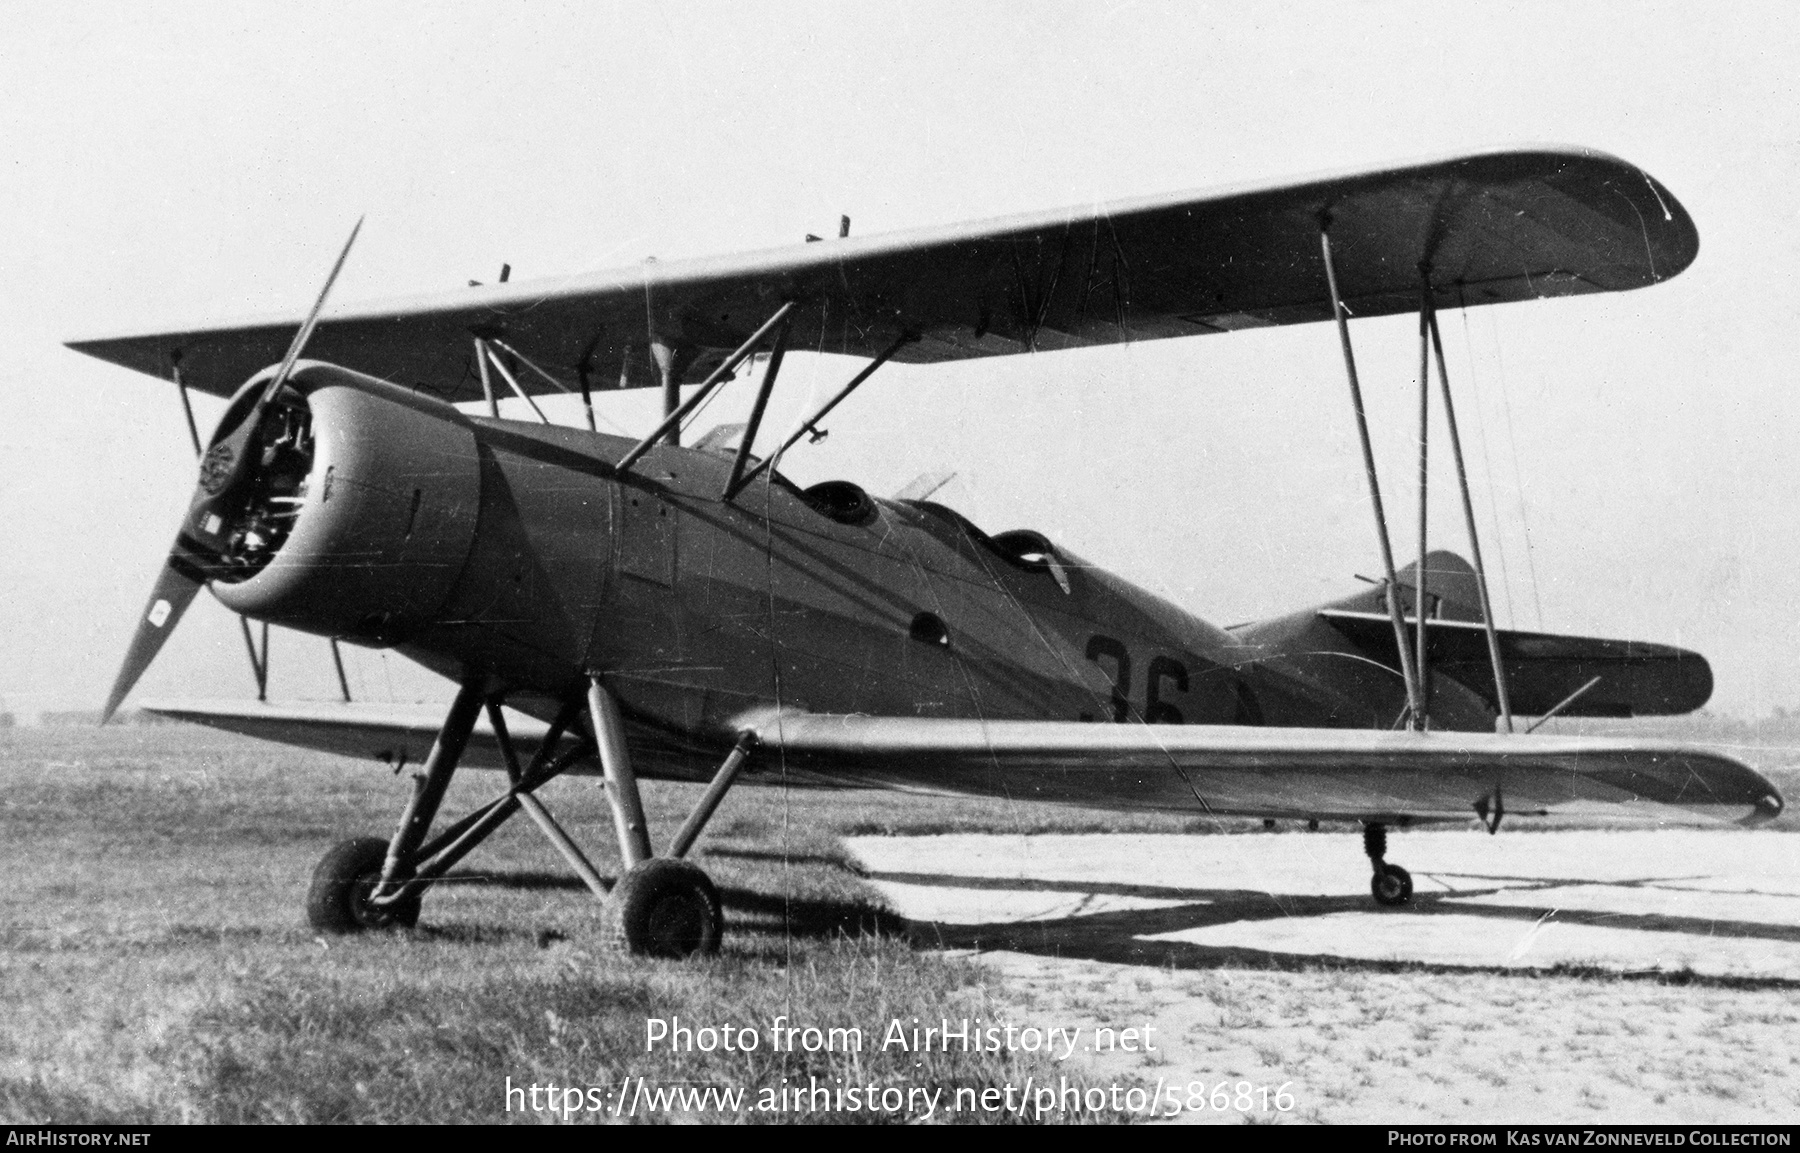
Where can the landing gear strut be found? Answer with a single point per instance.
(661, 906)
(1391, 885)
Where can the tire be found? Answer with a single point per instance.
(338, 901)
(1391, 886)
(664, 908)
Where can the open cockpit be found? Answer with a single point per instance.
(848, 503)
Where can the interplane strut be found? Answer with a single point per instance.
(1407, 669)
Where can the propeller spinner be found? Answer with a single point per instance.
(231, 524)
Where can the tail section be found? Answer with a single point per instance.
(1451, 592)
(1630, 678)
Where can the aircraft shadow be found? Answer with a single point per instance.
(748, 910)
(776, 857)
(773, 914)
(526, 881)
(1118, 935)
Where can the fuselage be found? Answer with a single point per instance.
(526, 554)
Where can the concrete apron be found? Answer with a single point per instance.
(1719, 903)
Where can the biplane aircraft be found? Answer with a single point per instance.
(686, 612)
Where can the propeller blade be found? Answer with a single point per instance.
(220, 469)
(174, 592)
(306, 328)
(225, 461)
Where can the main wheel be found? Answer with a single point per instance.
(346, 876)
(1391, 885)
(664, 908)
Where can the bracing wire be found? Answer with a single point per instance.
(1518, 473)
(1487, 467)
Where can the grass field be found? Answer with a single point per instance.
(154, 963)
(155, 966)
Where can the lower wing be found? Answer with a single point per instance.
(1268, 772)
(1228, 770)
(397, 735)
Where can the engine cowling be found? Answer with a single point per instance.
(359, 514)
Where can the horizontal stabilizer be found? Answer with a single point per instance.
(1636, 679)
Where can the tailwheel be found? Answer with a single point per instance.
(664, 908)
(342, 884)
(1391, 885)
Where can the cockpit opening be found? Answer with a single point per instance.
(1025, 548)
(842, 500)
(1021, 548)
(848, 503)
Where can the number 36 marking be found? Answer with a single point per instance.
(1165, 675)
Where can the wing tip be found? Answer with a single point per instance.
(1767, 807)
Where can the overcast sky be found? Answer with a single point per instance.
(1633, 453)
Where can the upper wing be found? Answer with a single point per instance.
(1265, 772)
(1494, 226)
